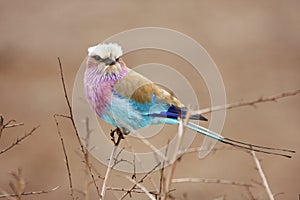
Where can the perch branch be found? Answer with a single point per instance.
(111, 164)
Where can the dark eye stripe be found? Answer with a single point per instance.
(96, 57)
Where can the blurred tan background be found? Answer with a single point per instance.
(255, 44)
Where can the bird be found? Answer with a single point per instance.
(130, 101)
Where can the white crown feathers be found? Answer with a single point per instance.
(106, 50)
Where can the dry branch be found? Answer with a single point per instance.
(273, 98)
(70, 117)
(19, 140)
(142, 188)
(66, 158)
(7, 124)
(111, 164)
(128, 192)
(206, 180)
(136, 158)
(29, 193)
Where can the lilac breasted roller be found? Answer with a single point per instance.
(127, 100)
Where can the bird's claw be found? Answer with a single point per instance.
(120, 136)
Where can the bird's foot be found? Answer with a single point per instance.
(119, 134)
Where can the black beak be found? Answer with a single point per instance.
(110, 61)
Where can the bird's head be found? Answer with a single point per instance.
(105, 58)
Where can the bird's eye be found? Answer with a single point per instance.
(96, 57)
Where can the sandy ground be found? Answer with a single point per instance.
(255, 45)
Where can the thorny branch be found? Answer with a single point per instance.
(142, 188)
(19, 140)
(29, 193)
(140, 163)
(206, 180)
(70, 116)
(66, 158)
(273, 98)
(8, 124)
(128, 192)
(132, 191)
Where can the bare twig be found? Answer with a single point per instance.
(19, 140)
(7, 124)
(162, 178)
(29, 193)
(262, 175)
(74, 126)
(142, 188)
(117, 160)
(1, 125)
(136, 158)
(66, 158)
(128, 192)
(273, 98)
(206, 180)
(14, 125)
(87, 142)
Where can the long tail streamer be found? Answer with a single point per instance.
(239, 144)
